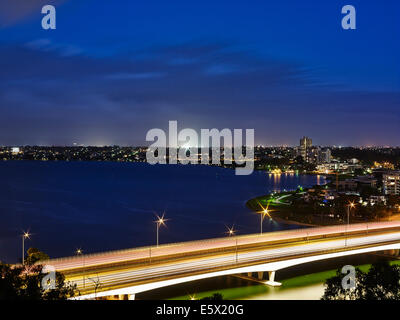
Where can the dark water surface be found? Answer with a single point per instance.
(100, 206)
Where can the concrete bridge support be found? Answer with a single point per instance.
(271, 281)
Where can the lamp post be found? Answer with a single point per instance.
(349, 206)
(231, 232)
(160, 221)
(262, 215)
(236, 249)
(25, 235)
(79, 252)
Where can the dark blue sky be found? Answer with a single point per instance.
(112, 70)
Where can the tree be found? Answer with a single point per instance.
(25, 282)
(215, 296)
(97, 285)
(367, 191)
(334, 289)
(10, 282)
(393, 201)
(358, 172)
(341, 205)
(34, 255)
(381, 282)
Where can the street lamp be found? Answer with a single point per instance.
(351, 205)
(79, 252)
(25, 235)
(160, 221)
(262, 215)
(264, 212)
(230, 232)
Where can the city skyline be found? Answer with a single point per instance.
(145, 145)
(111, 72)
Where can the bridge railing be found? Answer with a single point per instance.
(223, 243)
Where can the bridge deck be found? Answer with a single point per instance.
(218, 245)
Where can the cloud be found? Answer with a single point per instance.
(48, 96)
(60, 48)
(134, 76)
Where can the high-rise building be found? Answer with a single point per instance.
(324, 156)
(305, 145)
(391, 183)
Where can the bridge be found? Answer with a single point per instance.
(125, 273)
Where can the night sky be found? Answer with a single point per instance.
(112, 70)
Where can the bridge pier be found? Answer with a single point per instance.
(260, 275)
(271, 281)
(131, 296)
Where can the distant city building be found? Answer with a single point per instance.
(335, 166)
(304, 148)
(391, 183)
(377, 199)
(366, 181)
(313, 154)
(384, 165)
(347, 185)
(324, 156)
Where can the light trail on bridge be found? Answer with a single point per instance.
(143, 265)
(153, 252)
(161, 271)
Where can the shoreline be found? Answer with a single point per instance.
(276, 216)
(292, 222)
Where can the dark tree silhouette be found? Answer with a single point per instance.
(24, 282)
(381, 282)
(34, 255)
(215, 296)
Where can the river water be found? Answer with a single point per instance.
(99, 206)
